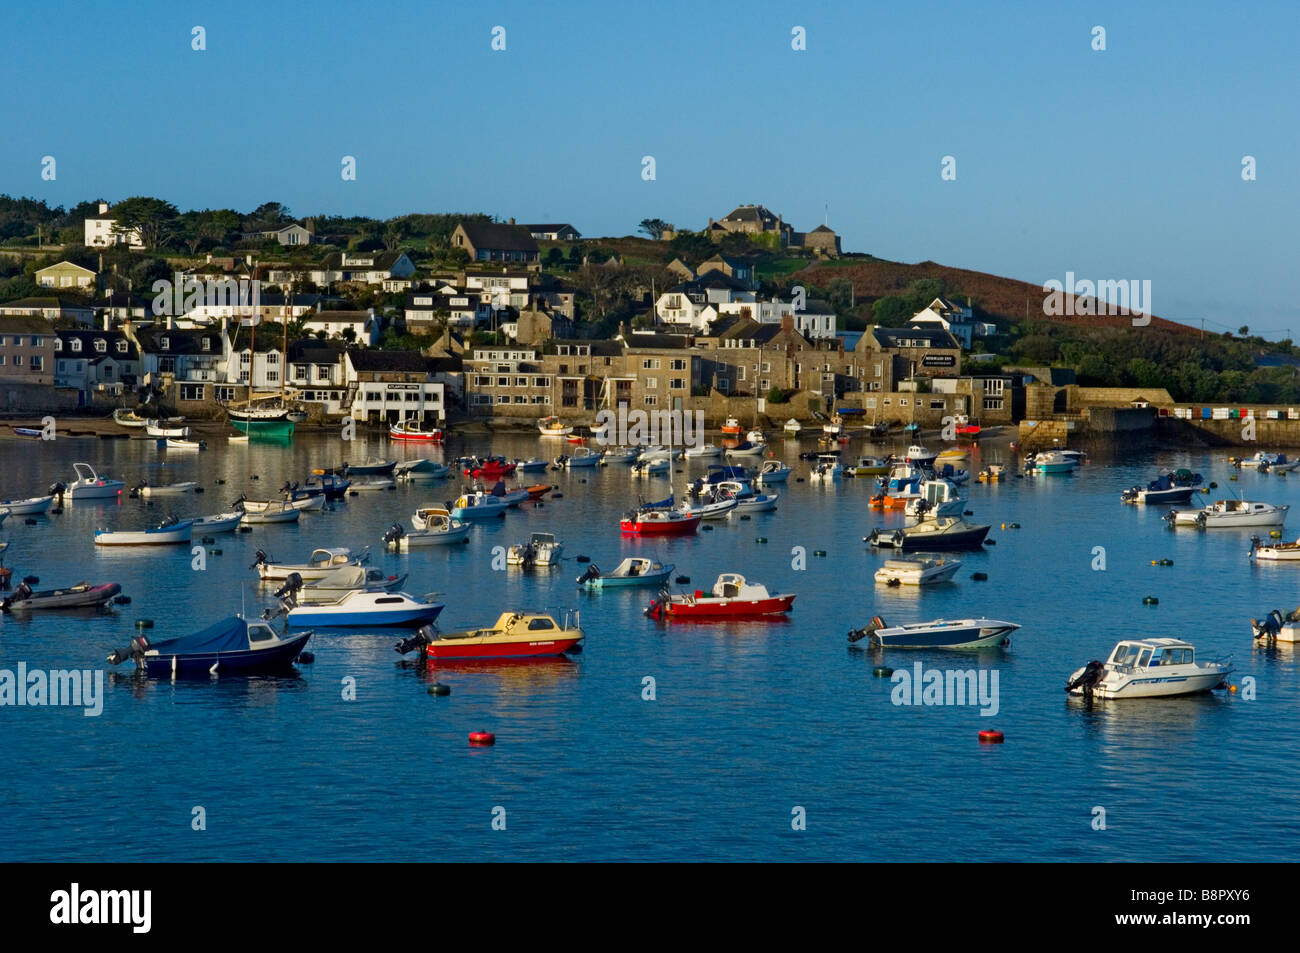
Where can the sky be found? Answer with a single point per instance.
(1122, 163)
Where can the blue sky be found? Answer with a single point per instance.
(1117, 164)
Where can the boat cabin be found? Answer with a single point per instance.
(732, 585)
(333, 556)
(1149, 653)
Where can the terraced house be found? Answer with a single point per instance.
(90, 362)
(27, 357)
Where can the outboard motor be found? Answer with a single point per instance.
(1088, 678)
(136, 649)
(659, 604)
(876, 623)
(21, 593)
(292, 583)
(395, 533)
(1269, 626)
(591, 573)
(420, 640)
(57, 491)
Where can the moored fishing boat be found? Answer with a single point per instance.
(478, 506)
(276, 511)
(333, 487)
(993, 473)
(219, 523)
(1148, 668)
(1261, 458)
(171, 530)
(702, 451)
(1176, 487)
(939, 535)
(732, 427)
(414, 431)
(938, 634)
(90, 486)
(321, 562)
(1230, 513)
(651, 467)
(81, 596)
(619, 455)
(232, 646)
(632, 571)
(747, 448)
(937, 498)
(533, 465)
(489, 468)
(1276, 627)
(711, 507)
(869, 466)
(514, 635)
(773, 471)
(732, 596)
(919, 456)
(1052, 461)
(827, 468)
(553, 427)
(436, 528)
(917, 571)
(658, 522)
(542, 549)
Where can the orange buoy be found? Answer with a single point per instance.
(990, 736)
(482, 738)
(1232, 689)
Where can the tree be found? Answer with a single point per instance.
(654, 227)
(349, 334)
(1244, 330)
(271, 213)
(392, 236)
(891, 311)
(152, 218)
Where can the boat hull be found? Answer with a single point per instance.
(246, 661)
(264, 428)
(30, 507)
(955, 637)
(709, 607)
(370, 618)
(655, 528)
(70, 598)
(446, 650)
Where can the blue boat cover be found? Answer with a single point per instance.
(228, 635)
(718, 473)
(661, 505)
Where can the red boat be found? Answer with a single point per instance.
(409, 430)
(515, 635)
(538, 490)
(493, 468)
(658, 523)
(732, 597)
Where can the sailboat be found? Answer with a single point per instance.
(262, 420)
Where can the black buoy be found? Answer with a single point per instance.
(32, 580)
(760, 539)
(122, 600)
(30, 521)
(221, 483)
(437, 688)
(969, 513)
(582, 559)
(819, 552)
(707, 529)
(306, 658)
(744, 516)
(1150, 601)
(198, 489)
(253, 476)
(979, 576)
(990, 542)
(245, 529)
(557, 496)
(207, 541)
(683, 580)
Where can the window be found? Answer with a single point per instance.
(245, 358)
(503, 382)
(166, 365)
(272, 376)
(936, 405)
(2, 360)
(36, 341)
(677, 364)
(18, 360)
(902, 402)
(481, 381)
(677, 383)
(541, 382)
(765, 384)
(191, 392)
(992, 403)
(76, 345)
(300, 372)
(724, 385)
(373, 396)
(273, 358)
(651, 383)
(651, 400)
(225, 393)
(122, 347)
(650, 364)
(503, 399)
(205, 344)
(521, 381)
(740, 372)
(767, 367)
(101, 346)
(520, 399)
(58, 343)
(165, 342)
(994, 387)
(411, 397)
(38, 362)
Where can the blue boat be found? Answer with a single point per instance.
(633, 571)
(232, 646)
(366, 608)
(334, 487)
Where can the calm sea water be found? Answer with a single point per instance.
(751, 720)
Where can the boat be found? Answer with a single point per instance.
(90, 486)
(1230, 513)
(296, 416)
(344, 579)
(732, 427)
(534, 465)
(414, 431)
(372, 467)
(489, 468)
(702, 451)
(163, 489)
(756, 436)
(747, 501)
(993, 473)
(869, 466)
(658, 522)
(363, 607)
(917, 572)
(645, 468)
(276, 511)
(170, 530)
(516, 496)
(237, 438)
(581, 457)
(792, 426)
(747, 448)
(220, 523)
(731, 597)
(1275, 627)
(542, 549)
(938, 634)
(632, 571)
(964, 427)
(827, 468)
(175, 443)
(232, 646)
(81, 596)
(1261, 460)
(270, 428)
(1278, 552)
(1148, 668)
(420, 471)
(941, 534)
(129, 418)
(659, 453)
(319, 563)
(477, 505)
(514, 635)
(333, 487)
(620, 455)
(1176, 487)
(711, 507)
(374, 485)
(920, 456)
(773, 471)
(1052, 461)
(553, 427)
(436, 528)
(938, 498)
(303, 504)
(834, 427)
(32, 506)
(951, 457)
(156, 428)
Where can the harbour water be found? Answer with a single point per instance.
(750, 721)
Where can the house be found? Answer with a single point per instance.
(52, 309)
(388, 386)
(427, 311)
(65, 274)
(292, 234)
(892, 359)
(192, 357)
(503, 288)
(27, 351)
(317, 373)
(681, 269)
(816, 320)
(534, 326)
(957, 319)
(90, 361)
(377, 268)
(751, 220)
(746, 357)
(741, 271)
(821, 241)
(364, 325)
(101, 231)
(490, 241)
(511, 377)
(553, 233)
(696, 303)
(118, 306)
(661, 372)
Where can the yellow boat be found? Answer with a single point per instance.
(515, 635)
(869, 466)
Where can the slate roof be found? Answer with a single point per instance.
(371, 359)
(934, 337)
(503, 237)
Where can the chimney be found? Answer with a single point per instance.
(103, 208)
(170, 322)
(248, 260)
(787, 322)
(108, 320)
(512, 221)
(318, 307)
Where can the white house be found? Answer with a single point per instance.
(425, 309)
(100, 231)
(957, 319)
(95, 360)
(501, 288)
(366, 325)
(393, 385)
(376, 268)
(65, 274)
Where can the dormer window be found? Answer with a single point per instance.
(207, 344)
(165, 343)
(121, 347)
(58, 344)
(76, 344)
(101, 346)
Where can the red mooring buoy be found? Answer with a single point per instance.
(482, 738)
(990, 737)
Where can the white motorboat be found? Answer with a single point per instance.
(645, 468)
(165, 489)
(303, 504)
(176, 443)
(219, 523)
(659, 453)
(704, 450)
(919, 456)
(170, 530)
(542, 549)
(747, 449)
(1275, 627)
(938, 498)
(321, 562)
(1278, 552)
(346, 579)
(834, 427)
(618, 455)
(921, 571)
(530, 466)
(553, 427)
(756, 436)
(938, 634)
(32, 506)
(1230, 513)
(277, 511)
(939, 534)
(709, 509)
(89, 485)
(773, 471)
(747, 501)
(792, 426)
(826, 468)
(1053, 461)
(581, 457)
(376, 484)
(434, 526)
(1148, 668)
(364, 607)
(1262, 457)
(158, 428)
